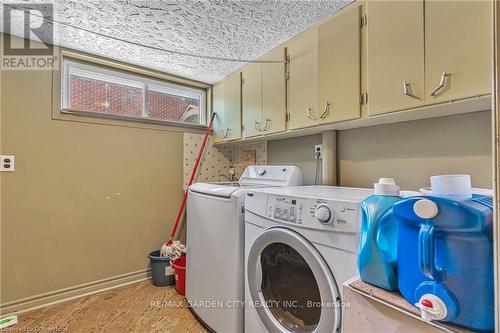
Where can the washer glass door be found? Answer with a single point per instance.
(292, 288)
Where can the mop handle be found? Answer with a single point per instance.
(193, 174)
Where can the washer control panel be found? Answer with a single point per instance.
(283, 209)
(341, 215)
(282, 175)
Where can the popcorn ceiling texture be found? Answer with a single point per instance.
(229, 29)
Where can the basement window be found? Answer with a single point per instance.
(96, 90)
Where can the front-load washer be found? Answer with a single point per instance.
(300, 246)
(215, 244)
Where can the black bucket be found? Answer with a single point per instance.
(162, 273)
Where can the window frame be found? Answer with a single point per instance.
(122, 77)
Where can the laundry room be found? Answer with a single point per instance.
(249, 166)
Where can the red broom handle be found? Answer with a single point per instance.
(191, 179)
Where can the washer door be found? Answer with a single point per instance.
(292, 287)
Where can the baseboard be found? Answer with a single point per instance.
(61, 295)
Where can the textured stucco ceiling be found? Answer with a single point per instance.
(227, 29)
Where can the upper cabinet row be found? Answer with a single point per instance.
(426, 52)
(384, 56)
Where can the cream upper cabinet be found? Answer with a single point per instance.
(303, 83)
(263, 95)
(218, 108)
(339, 67)
(227, 106)
(395, 55)
(458, 45)
(232, 107)
(273, 92)
(251, 99)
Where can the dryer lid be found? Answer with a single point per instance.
(224, 190)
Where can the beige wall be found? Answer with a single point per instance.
(410, 152)
(296, 151)
(86, 201)
(413, 151)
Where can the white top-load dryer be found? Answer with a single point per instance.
(301, 244)
(215, 244)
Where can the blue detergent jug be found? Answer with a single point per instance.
(378, 236)
(445, 258)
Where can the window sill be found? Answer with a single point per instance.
(127, 119)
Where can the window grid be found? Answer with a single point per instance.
(100, 91)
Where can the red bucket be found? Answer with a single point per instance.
(179, 266)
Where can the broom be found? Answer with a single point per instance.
(191, 179)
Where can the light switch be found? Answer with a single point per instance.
(6, 163)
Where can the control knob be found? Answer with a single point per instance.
(261, 172)
(323, 213)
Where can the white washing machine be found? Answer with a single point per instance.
(215, 244)
(301, 244)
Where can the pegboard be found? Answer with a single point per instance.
(214, 167)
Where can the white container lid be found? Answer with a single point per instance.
(451, 185)
(386, 186)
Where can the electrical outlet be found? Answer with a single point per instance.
(318, 152)
(6, 163)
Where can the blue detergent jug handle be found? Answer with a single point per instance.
(381, 221)
(426, 253)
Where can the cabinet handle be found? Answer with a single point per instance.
(325, 111)
(407, 90)
(309, 115)
(267, 125)
(257, 126)
(225, 136)
(441, 85)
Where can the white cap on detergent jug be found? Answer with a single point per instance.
(386, 186)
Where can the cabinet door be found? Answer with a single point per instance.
(395, 55)
(218, 108)
(273, 92)
(458, 43)
(232, 107)
(251, 99)
(303, 52)
(339, 67)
